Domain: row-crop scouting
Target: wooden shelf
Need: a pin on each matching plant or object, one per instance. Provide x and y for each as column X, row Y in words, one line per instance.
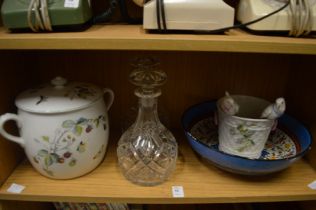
column 202, row 183
column 131, row 37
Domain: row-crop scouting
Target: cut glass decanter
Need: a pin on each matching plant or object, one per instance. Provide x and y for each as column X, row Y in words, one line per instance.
column 147, row 151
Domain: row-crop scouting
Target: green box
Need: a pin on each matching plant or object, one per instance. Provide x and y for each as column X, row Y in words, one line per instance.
column 14, row 14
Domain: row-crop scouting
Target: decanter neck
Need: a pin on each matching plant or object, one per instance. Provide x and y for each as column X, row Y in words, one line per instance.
column 147, row 110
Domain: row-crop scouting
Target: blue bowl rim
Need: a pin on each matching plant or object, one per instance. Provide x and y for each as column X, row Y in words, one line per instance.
column 300, row 154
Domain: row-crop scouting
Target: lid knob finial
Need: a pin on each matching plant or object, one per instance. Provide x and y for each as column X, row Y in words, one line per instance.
column 59, row 82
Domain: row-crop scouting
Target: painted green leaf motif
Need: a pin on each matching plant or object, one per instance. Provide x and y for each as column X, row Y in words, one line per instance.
column 35, row 159
column 81, row 96
column 42, row 153
column 82, row 121
column 48, row 172
column 45, row 138
column 247, row 135
column 55, row 157
column 72, row 162
column 97, row 122
column 68, row 124
column 78, row 130
column 48, row 160
column 81, row 147
column 37, row 141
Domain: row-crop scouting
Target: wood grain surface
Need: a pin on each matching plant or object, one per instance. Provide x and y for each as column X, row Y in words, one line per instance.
column 133, row 37
column 202, row 183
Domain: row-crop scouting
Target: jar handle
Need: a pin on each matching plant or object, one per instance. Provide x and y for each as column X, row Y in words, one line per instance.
column 110, row 99
column 7, row 117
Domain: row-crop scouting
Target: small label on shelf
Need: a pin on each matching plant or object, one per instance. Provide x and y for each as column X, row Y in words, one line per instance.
column 177, row 192
column 15, row 188
column 312, row 185
column 71, row 4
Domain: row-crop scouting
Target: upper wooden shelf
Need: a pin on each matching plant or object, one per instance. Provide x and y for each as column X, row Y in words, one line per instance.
column 133, row 37
column 202, row 183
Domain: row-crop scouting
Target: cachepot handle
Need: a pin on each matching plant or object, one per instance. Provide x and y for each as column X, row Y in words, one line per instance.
column 3, row 119
column 110, row 98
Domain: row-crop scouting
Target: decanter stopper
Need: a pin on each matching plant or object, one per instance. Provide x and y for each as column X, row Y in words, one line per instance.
column 147, row 76
column 147, row 151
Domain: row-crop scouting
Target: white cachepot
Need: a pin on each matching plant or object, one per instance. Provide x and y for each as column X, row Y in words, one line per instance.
column 63, row 126
column 244, row 134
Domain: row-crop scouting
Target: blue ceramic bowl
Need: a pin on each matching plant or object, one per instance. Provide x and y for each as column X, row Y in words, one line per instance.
column 299, row 137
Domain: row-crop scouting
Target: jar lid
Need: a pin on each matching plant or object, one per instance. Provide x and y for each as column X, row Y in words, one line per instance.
column 58, row 96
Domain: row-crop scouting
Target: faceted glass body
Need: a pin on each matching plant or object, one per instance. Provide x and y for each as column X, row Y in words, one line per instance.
column 147, row 151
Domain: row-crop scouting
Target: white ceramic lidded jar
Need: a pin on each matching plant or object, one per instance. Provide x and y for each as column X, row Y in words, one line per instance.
column 64, row 127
